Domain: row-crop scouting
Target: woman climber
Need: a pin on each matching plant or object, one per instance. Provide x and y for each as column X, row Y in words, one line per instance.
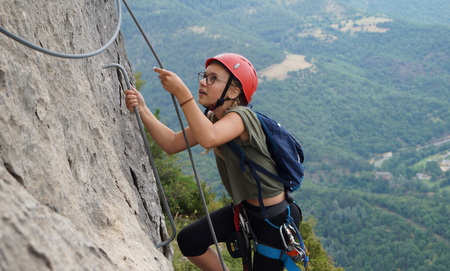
column 225, row 88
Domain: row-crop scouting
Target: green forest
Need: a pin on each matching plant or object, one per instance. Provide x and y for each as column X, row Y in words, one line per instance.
column 371, row 111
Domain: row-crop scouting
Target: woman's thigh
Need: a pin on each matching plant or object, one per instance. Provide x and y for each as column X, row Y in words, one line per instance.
column 195, row 239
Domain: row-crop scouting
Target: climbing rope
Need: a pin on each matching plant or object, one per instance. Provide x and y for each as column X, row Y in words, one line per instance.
column 188, row 147
column 149, row 154
column 63, row 55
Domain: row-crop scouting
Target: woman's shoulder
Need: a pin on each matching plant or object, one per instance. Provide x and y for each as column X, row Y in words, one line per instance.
column 242, row 109
column 249, row 117
column 246, row 113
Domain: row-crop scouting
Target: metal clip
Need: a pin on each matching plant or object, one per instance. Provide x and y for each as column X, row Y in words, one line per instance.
column 293, row 249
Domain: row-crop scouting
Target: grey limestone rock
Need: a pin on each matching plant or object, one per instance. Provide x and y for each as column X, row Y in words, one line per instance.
column 77, row 191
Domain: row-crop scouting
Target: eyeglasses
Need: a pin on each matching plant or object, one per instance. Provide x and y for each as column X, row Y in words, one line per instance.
column 210, row 78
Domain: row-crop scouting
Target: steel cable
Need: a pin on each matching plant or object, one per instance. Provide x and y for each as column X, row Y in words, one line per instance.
column 150, row 156
column 64, row 55
column 188, row 147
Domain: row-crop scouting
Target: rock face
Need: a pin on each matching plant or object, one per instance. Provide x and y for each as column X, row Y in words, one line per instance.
column 77, row 191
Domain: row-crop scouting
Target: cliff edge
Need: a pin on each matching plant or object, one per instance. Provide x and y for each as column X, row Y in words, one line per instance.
column 77, row 191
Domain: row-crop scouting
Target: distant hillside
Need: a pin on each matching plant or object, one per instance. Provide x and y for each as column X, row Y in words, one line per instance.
column 362, row 73
column 351, row 81
column 430, row 11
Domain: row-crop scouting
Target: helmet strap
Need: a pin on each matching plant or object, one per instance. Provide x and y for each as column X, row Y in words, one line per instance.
column 222, row 98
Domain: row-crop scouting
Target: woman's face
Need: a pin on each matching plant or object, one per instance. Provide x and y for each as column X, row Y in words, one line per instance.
column 209, row 93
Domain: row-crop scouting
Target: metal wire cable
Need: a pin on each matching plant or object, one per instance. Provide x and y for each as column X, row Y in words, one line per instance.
column 64, row 55
column 185, row 138
column 150, row 156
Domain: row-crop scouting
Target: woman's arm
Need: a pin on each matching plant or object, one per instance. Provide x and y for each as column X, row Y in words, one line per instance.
column 209, row 134
column 167, row 139
column 206, row 133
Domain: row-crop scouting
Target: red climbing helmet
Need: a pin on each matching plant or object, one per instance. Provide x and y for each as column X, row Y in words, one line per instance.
column 242, row 69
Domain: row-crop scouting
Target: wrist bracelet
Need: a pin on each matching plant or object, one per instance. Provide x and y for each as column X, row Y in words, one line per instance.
column 185, row 102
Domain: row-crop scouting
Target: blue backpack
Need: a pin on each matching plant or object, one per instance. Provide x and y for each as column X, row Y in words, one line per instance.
column 288, row 157
column 284, row 150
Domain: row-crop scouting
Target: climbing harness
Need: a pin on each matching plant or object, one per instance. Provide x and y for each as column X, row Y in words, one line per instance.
column 239, row 245
column 238, row 242
column 294, row 247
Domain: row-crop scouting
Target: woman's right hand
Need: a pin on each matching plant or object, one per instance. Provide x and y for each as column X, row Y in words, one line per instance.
column 133, row 98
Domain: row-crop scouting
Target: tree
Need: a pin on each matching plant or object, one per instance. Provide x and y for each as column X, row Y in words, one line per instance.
column 319, row 259
column 432, row 168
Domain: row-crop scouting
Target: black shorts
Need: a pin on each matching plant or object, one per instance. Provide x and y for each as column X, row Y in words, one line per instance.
column 196, row 238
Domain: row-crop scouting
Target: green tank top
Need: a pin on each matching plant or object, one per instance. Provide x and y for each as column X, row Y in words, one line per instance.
column 241, row 185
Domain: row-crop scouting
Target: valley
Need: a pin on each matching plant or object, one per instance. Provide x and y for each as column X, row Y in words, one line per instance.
column 280, row 71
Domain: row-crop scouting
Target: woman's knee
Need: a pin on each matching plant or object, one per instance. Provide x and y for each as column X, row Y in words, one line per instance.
column 186, row 241
column 183, row 236
column 195, row 239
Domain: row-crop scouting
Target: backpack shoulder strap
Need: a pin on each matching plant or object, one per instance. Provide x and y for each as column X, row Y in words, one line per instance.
column 244, row 161
column 239, row 152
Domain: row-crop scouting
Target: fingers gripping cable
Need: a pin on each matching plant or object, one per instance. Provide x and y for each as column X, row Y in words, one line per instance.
column 150, row 157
